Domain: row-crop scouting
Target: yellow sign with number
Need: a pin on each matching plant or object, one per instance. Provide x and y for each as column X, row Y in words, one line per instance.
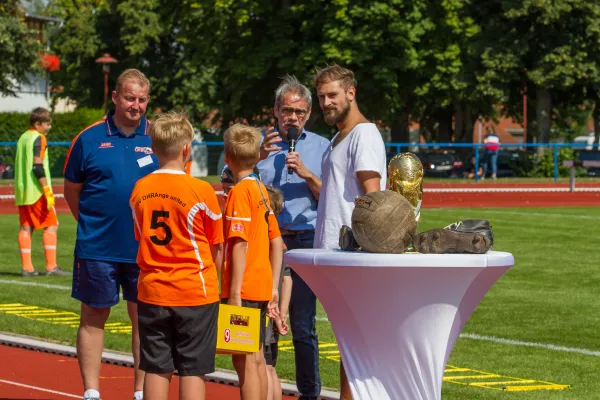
column 238, row 330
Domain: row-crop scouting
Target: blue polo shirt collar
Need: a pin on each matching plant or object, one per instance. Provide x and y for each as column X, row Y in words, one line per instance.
column 112, row 129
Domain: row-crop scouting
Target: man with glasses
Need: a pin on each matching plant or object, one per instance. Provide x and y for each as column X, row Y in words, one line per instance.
column 300, row 190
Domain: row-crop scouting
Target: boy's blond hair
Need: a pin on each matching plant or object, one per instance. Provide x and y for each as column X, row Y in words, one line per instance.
column 275, row 198
column 335, row 73
column 132, row 74
column 169, row 133
column 39, row 115
column 242, row 145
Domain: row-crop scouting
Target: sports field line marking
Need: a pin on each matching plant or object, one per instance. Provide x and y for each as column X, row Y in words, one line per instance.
column 37, row 284
column 545, row 346
column 577, row 216
column 510, row 190
column 39, row 388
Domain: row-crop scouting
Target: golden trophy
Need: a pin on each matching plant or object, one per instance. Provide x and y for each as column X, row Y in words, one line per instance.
column 405, row 172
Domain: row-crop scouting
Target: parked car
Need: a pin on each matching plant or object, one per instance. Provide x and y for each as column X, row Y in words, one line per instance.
column 442, row 164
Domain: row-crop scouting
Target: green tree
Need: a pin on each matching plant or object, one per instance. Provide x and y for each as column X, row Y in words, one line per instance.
column 144, row 34
column 546, row 44
column 18, row 48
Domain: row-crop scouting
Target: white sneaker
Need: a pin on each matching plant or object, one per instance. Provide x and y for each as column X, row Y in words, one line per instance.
column 91, row 394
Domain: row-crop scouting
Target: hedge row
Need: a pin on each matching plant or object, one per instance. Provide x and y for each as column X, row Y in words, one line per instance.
column 65, row 126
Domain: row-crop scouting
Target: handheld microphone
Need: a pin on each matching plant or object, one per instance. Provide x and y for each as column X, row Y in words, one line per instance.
column 292, row 136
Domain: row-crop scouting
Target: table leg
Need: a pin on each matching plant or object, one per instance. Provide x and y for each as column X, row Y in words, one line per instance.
column 395, row 327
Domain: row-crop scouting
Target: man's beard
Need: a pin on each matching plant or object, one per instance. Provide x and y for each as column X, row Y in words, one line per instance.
column 336, row 117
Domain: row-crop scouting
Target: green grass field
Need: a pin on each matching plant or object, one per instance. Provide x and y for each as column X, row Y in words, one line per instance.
column 550, row 297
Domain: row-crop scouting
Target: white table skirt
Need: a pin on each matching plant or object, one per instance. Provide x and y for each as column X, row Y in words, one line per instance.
column 396, row 317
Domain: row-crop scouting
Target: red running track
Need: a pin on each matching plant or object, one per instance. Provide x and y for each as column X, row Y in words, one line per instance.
column 39, row 375
column 454, row 198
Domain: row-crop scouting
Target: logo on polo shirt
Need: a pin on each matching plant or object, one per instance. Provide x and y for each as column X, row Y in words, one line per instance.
column 145, row 150
column 105, row 145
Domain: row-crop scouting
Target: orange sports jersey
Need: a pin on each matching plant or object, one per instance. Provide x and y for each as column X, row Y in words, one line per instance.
column 246, row 218
column 177, row 219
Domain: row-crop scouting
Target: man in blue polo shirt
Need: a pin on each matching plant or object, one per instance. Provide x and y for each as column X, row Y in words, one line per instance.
column 102, row 166
column 300, row 190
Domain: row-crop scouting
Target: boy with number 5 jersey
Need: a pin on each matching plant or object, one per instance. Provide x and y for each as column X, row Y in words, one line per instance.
column 179, row 227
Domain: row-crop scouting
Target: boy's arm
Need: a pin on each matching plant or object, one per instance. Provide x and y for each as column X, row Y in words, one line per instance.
column 285, row 296
column 276, row 259
column 238, row 267
column 39, row 150
column 217, row 254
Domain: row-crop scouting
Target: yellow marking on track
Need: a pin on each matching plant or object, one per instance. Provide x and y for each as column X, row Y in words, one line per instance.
column 45, row 316
column 457, row 375
column 482, row 376
column 495, row 383
column 63, row 319
column 324, row 345
column 56, row 317
column 552, row 386
column 480, row 379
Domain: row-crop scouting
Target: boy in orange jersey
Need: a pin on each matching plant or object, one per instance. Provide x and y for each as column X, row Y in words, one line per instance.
column 252, row 245
column 33, row 194
column 277, row 325
column 179, row 227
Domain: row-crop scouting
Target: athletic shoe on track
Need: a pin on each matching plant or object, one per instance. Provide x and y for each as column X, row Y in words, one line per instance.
column 27, row 273
column 57, row 272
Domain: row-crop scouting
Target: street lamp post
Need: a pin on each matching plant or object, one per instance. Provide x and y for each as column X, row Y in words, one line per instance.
column 106, row 60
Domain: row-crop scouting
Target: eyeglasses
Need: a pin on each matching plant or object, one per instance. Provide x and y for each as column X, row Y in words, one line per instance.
column 288, row 111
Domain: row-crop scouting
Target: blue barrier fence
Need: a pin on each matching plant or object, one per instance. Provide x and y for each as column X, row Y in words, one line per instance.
column 399, row 147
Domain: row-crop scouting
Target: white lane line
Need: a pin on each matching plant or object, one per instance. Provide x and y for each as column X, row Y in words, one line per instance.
column 37, row 284
column 42, row 285
column 39, row 388
column 531, row 344
column 509, row 190
column 487, row 211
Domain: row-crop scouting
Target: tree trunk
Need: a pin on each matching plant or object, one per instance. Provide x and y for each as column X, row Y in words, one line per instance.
column 445, row 126
column 596, row 116
column 399, row 128
column 463, row 123
column 543, row 114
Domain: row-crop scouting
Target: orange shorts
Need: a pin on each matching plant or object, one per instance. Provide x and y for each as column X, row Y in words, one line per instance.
column 37, row 215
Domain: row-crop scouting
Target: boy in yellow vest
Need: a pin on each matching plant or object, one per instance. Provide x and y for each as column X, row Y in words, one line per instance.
column 33, row 193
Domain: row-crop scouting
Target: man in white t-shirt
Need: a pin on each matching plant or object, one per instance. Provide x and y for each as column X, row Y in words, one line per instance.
column 354, row 163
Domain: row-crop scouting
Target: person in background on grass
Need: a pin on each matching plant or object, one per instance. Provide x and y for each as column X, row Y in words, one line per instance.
column 354, row 163
column 180, row 252
column 102, row 166
column 492, row 147
column 33, row 194
column 278, row 325
column 301, row 189
column 253, row 245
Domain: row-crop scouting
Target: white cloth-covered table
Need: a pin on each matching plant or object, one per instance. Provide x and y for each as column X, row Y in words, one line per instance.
column 396, row 317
